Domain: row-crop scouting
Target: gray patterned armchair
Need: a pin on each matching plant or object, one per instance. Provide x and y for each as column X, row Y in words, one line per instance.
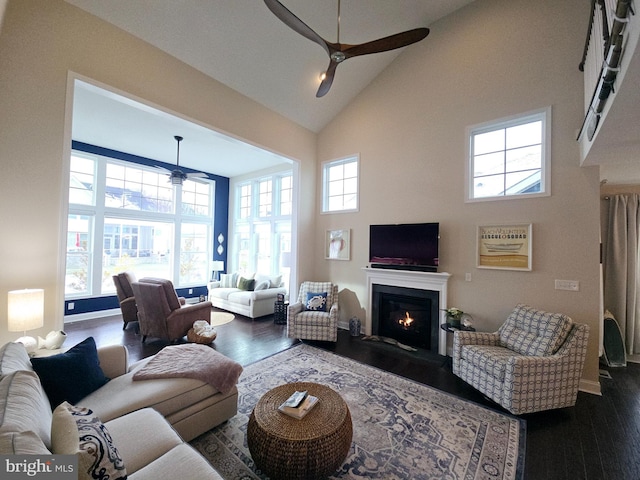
column 533, row 362
column 315, row 315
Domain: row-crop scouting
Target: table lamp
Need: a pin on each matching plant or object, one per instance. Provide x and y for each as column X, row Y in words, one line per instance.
column 216, row 267
column 26, row 312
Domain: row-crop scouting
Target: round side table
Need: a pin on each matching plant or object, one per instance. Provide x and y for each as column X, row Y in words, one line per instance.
column 447, row 327
column 312, row 447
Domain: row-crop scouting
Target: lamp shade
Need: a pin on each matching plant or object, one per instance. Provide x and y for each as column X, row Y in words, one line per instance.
column 217, row 265
column 25, row 309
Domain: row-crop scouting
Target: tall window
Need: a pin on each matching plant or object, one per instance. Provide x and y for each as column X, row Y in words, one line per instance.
column 340, row 185
column 286, row 195
column 125, row 216
column 262, row 235
column 244, row 200
column 265, row 197
column 510, row 157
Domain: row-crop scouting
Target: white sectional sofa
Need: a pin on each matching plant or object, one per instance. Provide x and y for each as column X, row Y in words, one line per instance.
column 147, row 422
column 252, row 296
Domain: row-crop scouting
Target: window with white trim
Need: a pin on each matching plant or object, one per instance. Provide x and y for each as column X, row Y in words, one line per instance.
column 126, row 216
column 262, row 225
column 510, row 158
column 340, row 185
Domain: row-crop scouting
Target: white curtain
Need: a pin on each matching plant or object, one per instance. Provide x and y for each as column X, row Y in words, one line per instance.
column 621, row 266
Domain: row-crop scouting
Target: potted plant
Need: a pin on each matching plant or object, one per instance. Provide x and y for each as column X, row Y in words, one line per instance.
column 454, row 315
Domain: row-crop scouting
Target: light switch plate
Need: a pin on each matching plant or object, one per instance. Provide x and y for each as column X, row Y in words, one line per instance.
column 571, row 285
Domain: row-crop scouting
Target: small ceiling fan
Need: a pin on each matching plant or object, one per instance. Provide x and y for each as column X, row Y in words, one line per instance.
column 339, row 52
column 177, row 176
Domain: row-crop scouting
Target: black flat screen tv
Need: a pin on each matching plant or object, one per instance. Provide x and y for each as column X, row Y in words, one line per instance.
column 408, row 246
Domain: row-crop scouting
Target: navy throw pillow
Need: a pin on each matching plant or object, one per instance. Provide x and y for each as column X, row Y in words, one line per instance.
column 72, row 375
column 316, row 302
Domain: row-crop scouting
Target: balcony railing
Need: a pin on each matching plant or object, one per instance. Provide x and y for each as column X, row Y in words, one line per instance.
column 603, row 51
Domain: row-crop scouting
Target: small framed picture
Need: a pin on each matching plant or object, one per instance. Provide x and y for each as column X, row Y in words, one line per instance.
column 504, row 247
column 337, row 244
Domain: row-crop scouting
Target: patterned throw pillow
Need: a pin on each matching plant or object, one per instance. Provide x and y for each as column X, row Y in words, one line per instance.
column 227, row 280
column 316, row 302
column 77, row 431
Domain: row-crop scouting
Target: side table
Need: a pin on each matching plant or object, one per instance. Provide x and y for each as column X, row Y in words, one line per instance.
column 280, row 312
column 312, row 447
column 449, row 328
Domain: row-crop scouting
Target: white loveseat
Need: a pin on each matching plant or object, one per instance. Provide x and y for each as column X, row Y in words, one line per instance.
column 252, row 295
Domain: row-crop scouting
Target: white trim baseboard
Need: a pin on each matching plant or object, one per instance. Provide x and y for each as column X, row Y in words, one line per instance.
column 91, row 315
column 589, row 386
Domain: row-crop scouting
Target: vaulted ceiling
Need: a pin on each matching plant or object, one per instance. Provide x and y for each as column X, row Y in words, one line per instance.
column 243, row 45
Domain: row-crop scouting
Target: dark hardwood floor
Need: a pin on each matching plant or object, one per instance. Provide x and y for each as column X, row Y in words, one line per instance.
column 599, row 438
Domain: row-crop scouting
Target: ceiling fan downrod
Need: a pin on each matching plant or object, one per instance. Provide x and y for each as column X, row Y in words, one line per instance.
column 178, row 139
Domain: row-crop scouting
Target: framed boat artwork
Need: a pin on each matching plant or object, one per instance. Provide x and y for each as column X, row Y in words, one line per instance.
column 504, row 247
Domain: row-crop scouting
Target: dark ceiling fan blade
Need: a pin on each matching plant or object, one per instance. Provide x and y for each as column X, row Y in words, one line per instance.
column 293, row 22
column 325, row 85
column 392, row 42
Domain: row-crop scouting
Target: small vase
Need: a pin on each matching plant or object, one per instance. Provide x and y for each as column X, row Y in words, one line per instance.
column 453, row 321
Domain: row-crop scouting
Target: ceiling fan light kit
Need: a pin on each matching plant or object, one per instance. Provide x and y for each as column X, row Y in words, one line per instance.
column 339, row 52
column 177, row 176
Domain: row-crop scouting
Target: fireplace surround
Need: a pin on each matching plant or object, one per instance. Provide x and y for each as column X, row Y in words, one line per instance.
column 423, row 295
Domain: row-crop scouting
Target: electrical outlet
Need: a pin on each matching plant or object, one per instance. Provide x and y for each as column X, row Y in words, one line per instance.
column 571, row 285
column 190, row 291
column 467, row 277
column 71, row 306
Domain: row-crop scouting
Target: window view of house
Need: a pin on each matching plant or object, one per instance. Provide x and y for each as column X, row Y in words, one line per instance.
column 124, row 216
column 509, row 158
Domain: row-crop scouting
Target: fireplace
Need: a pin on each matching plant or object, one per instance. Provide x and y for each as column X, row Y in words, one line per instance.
column 409, row 315
column 422, row 294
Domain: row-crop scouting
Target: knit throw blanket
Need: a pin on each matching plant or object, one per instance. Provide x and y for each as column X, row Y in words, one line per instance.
column 192, row 361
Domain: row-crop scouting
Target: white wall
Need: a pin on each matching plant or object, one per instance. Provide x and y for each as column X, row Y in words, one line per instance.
column 41, row 41
column 493, row 59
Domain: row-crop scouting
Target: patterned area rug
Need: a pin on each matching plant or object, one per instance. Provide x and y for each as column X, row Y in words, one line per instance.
column 401, row 429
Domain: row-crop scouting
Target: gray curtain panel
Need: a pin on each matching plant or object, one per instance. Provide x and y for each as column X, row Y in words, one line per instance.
column 620, row 265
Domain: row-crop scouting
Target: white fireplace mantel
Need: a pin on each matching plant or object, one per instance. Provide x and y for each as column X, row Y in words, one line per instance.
column 436, row 282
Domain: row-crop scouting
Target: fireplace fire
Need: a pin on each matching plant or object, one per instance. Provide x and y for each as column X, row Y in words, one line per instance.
column 406, row 321
column 407, row 315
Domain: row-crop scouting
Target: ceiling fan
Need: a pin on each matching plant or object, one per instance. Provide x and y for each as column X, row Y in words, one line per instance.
column 177, row 176
column 339, row 52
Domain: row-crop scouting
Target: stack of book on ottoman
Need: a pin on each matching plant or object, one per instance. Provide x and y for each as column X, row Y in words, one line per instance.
column 298, row 404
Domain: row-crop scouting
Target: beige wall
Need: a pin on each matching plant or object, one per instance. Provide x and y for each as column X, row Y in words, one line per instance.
column 41, row 41
column 493, row 59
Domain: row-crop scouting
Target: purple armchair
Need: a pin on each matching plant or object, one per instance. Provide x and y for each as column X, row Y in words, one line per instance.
column 161, row 314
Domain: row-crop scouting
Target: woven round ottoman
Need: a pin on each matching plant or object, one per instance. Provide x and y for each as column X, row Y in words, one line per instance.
column 312, row 447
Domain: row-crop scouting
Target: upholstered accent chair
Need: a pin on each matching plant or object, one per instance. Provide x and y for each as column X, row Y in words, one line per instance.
column 127, row 301
column 162, row 314
column 533, row 362
column 315, row 315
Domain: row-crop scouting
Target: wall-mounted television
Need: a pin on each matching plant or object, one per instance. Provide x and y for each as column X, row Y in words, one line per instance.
column 407, row 246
